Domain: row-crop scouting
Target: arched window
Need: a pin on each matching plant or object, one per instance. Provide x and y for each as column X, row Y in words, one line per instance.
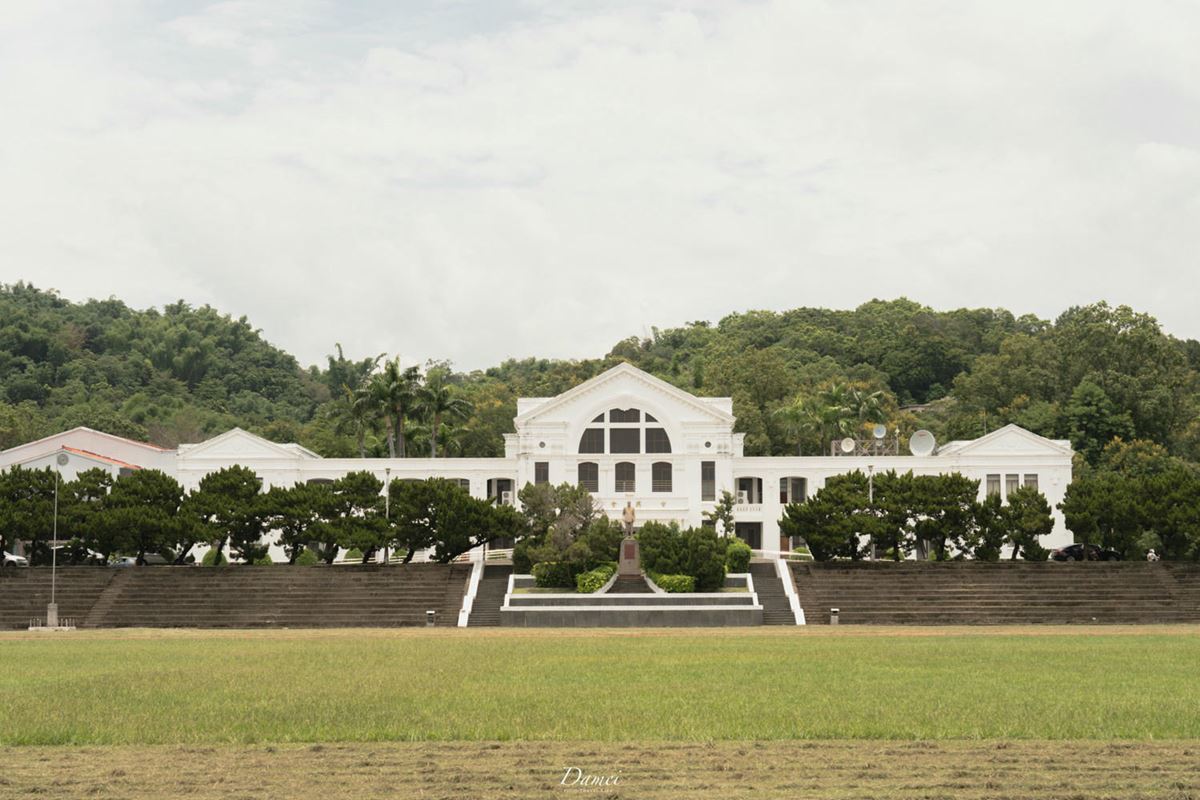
column 660, row 476
column 589, row 476
column 624, row 431
column 626, row 477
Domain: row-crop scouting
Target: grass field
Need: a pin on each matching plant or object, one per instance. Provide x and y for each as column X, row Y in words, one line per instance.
column 192, row 687
column 894, row 714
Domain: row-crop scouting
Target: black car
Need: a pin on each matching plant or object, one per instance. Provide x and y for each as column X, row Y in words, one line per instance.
column 1074, row 552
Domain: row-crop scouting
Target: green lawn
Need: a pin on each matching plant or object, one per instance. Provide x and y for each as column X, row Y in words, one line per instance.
column 310, row 686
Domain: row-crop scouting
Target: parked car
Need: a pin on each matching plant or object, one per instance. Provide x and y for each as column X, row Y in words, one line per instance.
column 14, row 560
column 152, row 560
column 1074, row 552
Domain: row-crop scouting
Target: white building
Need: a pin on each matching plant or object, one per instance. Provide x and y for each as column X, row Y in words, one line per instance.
column 625, row 435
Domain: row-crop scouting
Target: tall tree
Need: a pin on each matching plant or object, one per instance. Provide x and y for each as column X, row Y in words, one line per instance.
column 27, row 510
column 144, row 507
column 436, row 400
column 393, row 391
column 226, row 507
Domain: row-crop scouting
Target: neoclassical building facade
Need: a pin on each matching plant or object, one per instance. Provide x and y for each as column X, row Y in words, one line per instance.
column 625, row 435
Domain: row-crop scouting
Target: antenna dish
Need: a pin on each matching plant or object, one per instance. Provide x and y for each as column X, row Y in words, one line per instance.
column 848, row 445
column 62, row 459
column 922, row 443
column 880, row 431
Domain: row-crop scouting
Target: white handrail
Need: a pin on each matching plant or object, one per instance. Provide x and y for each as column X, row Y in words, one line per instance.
column 464, row 613
column 785, row 575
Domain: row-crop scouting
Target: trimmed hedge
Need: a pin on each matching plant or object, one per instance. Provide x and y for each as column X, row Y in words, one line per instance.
column 592, row 581
column 307, row 559
column 210, row 558
column 737, row 556
column 551, row 574
column 674, row 583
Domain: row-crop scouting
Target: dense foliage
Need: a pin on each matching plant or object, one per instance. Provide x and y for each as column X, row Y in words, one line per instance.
column 1098, row 375
column 932, row 516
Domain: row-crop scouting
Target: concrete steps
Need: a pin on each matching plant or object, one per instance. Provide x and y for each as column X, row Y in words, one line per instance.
column 771, row 595
column 978, row 593
column 25, row 592
column 630, row 584
column 252, row 597
column 485, row 611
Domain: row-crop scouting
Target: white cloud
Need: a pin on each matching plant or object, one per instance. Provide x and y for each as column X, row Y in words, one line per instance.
column 480, row 180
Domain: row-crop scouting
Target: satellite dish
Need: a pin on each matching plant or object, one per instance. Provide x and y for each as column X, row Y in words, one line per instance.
column 62, row 459
column 880, row 431
column 922, row 443
column 848, row 445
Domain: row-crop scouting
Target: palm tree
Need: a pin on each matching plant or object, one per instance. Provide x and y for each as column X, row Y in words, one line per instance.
column 436, row 401
column 392, row 393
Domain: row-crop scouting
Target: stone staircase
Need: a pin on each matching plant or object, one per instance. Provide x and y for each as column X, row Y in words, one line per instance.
column 485, row 611
column 630, row 584
column 1009, row 592
column 771, row 595
column 24, row 593
column 277, row 596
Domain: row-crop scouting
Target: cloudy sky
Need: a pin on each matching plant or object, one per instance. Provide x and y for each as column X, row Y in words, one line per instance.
column 505, row 178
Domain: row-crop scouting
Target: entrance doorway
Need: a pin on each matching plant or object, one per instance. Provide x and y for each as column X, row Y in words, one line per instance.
column 750, row 533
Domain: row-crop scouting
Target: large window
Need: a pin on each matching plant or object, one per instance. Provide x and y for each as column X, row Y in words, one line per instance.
column 660, row 476
column 541, row 472
column 625, row 440
column 620, row 431
column 993, row 484
column 592, row 441
column 657, row 441
column 589, row 476
column 1031, row 481
column 792, row 490
column 1011, row 484
column 708, row 480
column 626, row 477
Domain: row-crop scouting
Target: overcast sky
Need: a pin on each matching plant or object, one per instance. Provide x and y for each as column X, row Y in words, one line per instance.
column 493, row 179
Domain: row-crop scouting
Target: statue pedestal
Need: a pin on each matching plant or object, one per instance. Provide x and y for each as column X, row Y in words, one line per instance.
column 630, row 562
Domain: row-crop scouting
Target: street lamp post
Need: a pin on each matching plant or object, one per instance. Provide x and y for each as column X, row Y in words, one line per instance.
column 52, row 608
column 387, row 506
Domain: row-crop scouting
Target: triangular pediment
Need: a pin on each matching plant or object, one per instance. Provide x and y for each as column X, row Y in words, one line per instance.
column 238, row 444
column 626, row 381
column 1010, row 440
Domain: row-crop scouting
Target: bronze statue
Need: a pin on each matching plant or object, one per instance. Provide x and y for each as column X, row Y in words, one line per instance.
column 628, row 516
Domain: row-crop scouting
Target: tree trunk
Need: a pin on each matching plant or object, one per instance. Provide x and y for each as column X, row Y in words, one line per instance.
column 437, row 423
column 409, row 555
column 369, row 554
column 390, row 435
column 362, row 443
column 331, row 554
column 401, row 445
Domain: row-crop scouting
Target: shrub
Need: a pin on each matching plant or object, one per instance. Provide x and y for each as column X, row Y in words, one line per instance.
column 353, row 554
column 737, row 556
column 210, row 558
column 520, row 557
column 263, row 561
column 594, row 580
column 674, row 583
column 307, row 558
column 554, row 574
column 697, row 552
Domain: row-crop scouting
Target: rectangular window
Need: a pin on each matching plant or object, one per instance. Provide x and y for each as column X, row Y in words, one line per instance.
column 1011, row 484
column 626, row 477
column 589, row 476
column 464, row 484
column 657, row 441
column 708, row 480
column 541, row 472
column 660, row 476
column 792, row 490
column 1031, row 481
column 993, row 484
column 625, row 440
column 592, row 441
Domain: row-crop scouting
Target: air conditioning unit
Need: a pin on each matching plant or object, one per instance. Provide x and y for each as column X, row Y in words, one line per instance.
column 506, row 498
column 743, row 498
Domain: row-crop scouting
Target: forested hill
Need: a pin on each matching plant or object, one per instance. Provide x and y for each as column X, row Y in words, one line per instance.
column 798, row 378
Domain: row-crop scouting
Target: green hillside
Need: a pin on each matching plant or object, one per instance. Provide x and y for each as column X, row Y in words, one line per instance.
column 798, row 378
